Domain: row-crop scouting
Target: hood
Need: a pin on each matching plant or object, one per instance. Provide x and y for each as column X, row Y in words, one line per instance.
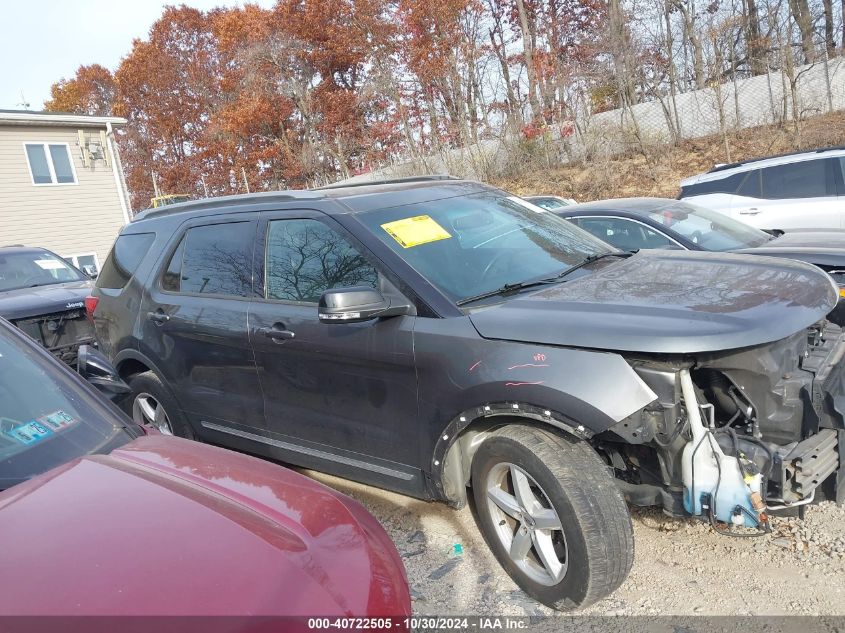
column 668, row 302
column 824, row 247
column 30, row 302
column 164, row 526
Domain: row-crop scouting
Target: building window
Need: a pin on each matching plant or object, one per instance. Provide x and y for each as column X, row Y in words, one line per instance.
column 87, row 263
column 50, row 163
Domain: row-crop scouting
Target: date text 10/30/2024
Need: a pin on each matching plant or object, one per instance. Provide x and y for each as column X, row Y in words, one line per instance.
column 420, row 623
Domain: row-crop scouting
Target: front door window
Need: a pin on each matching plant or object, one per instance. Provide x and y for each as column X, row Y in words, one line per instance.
column 305, row 258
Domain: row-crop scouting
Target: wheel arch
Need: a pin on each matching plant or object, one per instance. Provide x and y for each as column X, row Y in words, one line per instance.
column 131, row 362
column 458, row 442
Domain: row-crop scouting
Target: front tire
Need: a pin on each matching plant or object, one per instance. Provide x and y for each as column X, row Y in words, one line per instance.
column 552, row 515
column 151, row 403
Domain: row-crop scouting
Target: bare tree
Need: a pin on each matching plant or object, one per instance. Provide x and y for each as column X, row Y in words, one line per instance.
column 800, row 10
column 525, row 26
column 830, row 42
column 692, row 37
column 754, row 42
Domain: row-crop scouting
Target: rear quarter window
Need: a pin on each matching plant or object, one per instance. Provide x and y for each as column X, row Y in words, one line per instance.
column 721, row 185
column 126, row 255
column 804, row 179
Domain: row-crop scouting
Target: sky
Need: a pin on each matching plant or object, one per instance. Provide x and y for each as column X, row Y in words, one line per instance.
column 42, row 41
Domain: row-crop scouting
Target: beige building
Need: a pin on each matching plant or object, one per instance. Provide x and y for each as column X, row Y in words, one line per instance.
column 61, row 184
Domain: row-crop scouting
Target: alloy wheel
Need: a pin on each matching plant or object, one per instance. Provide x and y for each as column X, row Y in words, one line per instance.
column 147, row 410
column 527, row 524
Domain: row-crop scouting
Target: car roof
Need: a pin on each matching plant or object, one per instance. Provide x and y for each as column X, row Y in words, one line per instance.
column 352, row 198
column 719, row 172
column 632, row 206
column 19, row 248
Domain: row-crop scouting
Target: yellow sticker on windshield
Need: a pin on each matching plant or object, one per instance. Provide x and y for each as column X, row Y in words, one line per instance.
column 420, row 229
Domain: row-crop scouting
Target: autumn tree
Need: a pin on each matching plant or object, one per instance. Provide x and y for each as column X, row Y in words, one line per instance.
column 168, row 87
column 338, row 38
column 440, row 49
column 90, row 91
column 553, row 45
column 298, row 104
column 309, row 91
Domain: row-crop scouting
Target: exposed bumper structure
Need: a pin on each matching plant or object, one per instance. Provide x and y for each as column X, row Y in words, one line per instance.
column 816, row 459
column 61, row 333
column 808, row 464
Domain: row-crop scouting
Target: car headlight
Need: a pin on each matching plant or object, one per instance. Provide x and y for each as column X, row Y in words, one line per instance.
column 838, row 277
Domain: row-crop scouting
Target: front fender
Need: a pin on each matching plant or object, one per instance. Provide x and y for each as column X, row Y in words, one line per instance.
column 596, row 389
column 460, row 372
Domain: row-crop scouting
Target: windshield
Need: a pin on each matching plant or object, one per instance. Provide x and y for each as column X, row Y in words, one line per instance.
column 711, row 230
column 45, row 418
column 27, row 269
column 478, row 243
column 548, row 203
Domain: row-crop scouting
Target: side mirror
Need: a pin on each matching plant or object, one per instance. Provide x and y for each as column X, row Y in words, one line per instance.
column 91, row 271
column 98, row 371
column 356, row 304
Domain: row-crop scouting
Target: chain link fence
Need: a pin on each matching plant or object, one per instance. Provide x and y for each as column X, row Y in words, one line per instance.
column 786, row 96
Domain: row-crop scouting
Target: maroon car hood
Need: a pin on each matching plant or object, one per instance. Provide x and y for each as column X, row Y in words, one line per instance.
column 164, row 526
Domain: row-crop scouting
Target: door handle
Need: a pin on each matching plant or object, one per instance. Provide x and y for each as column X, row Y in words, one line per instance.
column 751, row 211
column 158, row 317
column 277, row 332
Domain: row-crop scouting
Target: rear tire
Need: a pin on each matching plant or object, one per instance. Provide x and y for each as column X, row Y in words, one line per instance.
column 152, row 403
column 552, row 515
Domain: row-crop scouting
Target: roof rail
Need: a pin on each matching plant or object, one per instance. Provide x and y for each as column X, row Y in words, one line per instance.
column 216, row 202
column 389, row 181
column 724, row 166
column 14, row 246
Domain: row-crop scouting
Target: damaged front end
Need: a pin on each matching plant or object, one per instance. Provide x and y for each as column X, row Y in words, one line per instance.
column 62, row 333
column 735, row 434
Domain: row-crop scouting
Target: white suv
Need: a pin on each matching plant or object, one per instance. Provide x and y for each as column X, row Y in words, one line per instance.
column 800, row 190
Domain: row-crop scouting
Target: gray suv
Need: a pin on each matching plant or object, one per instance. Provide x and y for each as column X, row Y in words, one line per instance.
column 447, row 340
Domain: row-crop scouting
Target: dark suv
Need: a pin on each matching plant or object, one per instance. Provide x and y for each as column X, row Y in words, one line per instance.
column 44, row 296
column 439, row 336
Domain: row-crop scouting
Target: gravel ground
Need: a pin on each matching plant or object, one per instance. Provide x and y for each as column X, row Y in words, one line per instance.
column 681, row 567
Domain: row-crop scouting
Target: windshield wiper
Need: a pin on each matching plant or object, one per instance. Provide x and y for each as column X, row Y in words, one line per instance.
column 501, row 291
column 589, row 260
column 522, row 285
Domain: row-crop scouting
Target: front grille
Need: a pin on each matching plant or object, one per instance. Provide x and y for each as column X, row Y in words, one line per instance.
column 62, row 332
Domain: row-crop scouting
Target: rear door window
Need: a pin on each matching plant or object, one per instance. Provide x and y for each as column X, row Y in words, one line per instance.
column 750, row 187
column 840, row 174
column 125, row 257
column 804, row 179
column 213, row 259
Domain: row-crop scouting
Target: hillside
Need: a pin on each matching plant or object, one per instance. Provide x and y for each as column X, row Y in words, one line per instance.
column 658, row 171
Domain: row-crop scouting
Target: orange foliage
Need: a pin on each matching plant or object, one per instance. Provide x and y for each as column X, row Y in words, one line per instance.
column 91, row 91
column 310, row 91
